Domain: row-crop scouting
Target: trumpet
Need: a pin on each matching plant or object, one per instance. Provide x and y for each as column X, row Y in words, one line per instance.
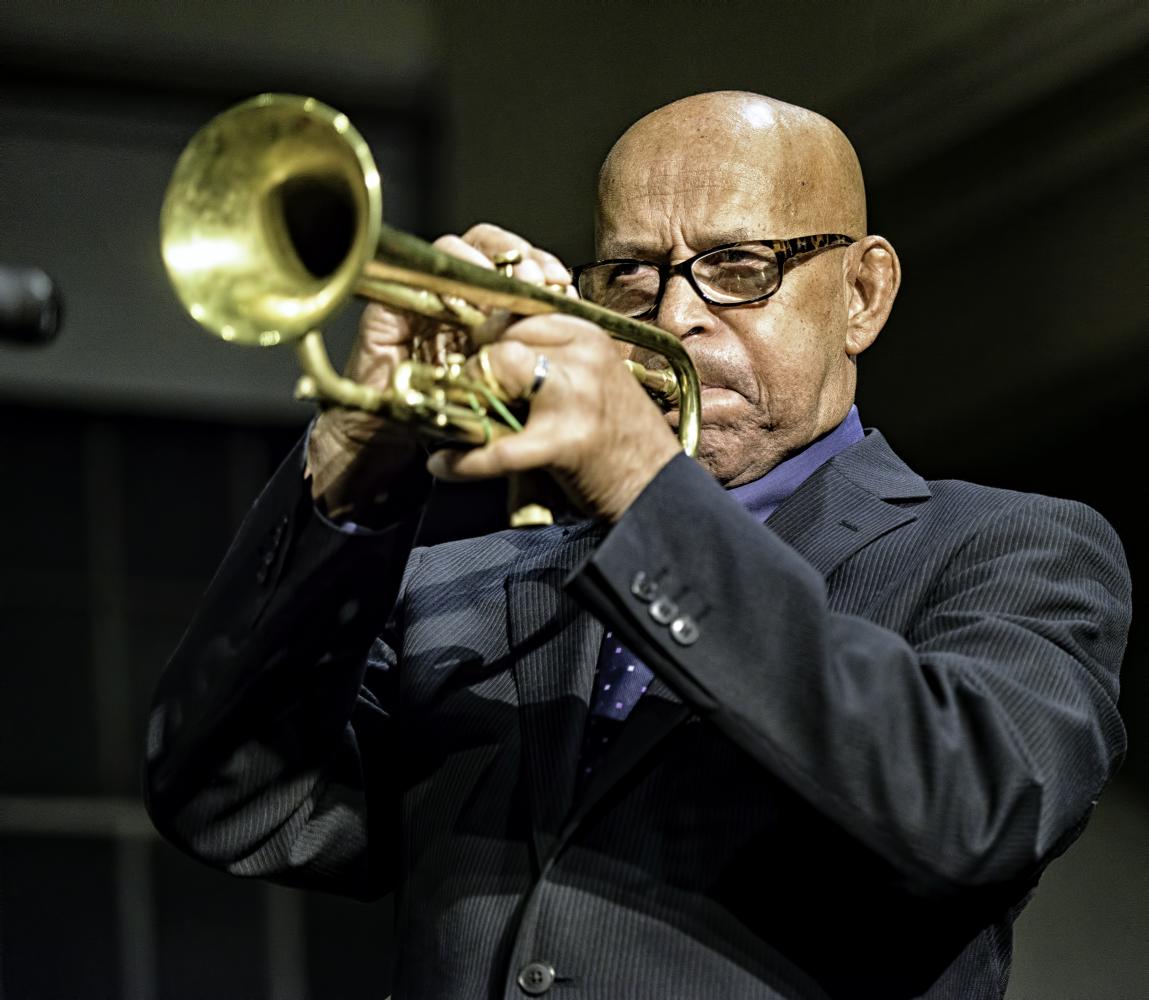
column 273, row 220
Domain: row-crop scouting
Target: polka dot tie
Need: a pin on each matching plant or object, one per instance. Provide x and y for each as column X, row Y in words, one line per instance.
column 620, row 679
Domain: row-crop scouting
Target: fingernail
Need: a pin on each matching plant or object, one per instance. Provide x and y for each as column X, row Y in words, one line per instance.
column 529, row 271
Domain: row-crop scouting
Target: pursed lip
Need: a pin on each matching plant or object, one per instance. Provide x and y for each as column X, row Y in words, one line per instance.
column 710, row 397
column 713, row 373
column 702, row 366
column 707, row 386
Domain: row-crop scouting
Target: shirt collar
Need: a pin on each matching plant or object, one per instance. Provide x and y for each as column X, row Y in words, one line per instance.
column 763, row 496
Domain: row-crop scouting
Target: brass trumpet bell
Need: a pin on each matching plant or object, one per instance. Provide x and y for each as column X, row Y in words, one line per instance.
column 268, row 223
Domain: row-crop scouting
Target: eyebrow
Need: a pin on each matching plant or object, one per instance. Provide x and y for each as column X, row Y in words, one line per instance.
column 641, row 251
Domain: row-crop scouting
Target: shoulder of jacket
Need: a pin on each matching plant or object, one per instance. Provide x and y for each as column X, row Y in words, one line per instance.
column 502, row 551
column 985, row 500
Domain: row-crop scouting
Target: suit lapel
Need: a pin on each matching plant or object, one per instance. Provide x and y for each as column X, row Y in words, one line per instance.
column 847, row 504
column 554, row 644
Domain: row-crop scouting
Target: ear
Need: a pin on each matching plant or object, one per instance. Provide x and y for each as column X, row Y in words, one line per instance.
column 873, row 280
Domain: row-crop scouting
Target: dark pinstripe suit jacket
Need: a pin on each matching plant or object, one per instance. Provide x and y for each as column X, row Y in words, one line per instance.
column 899, row 708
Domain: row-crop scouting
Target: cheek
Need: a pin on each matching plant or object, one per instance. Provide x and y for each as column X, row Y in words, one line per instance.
column 778, row 353
column 793, row 353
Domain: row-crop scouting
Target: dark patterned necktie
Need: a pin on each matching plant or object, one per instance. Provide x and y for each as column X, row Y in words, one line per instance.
column 620, row 679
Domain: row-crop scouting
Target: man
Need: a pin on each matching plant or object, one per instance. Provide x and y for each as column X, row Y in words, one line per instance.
column 665, row 750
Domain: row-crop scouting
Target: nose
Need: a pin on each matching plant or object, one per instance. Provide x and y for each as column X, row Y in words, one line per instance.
column 681, row 311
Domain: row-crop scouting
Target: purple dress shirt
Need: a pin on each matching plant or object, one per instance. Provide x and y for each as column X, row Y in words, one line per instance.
column 764, row 496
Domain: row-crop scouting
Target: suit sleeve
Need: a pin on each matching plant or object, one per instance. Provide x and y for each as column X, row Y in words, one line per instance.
column 269, row 741
column 969, row 748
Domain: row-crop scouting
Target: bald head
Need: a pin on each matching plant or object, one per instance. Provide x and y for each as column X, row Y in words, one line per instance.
column 803, row 167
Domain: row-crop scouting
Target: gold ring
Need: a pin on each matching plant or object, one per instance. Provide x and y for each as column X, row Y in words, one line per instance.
column 506, row 260
column 488, row 374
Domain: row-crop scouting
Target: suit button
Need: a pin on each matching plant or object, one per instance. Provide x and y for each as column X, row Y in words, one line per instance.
column 643, row 587
column 684, row 630
column 663, row 610
column 536, row 978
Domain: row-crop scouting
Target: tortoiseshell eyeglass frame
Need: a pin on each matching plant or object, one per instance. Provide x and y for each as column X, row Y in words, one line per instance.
column 783, row 251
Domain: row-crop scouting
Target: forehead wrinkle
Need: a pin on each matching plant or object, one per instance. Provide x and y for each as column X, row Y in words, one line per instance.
column 671, row 179
column 693, row 211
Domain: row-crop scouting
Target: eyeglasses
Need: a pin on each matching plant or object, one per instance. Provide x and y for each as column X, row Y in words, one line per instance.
column 734, row 274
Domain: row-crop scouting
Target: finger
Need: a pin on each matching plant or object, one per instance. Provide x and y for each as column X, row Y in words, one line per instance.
column 551, row 330
column 537, row 265
column 514, row 360
column 493, row 240
column 541, row 268
column 444, row 341
column 464, row 250
column 529, row 271
column 512, row 453
column 512, row 365
column 493, row 327
column 553, row 268
column 441, row 465
column 380, row 325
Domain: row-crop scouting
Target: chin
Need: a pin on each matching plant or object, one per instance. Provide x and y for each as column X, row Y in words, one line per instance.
column 735, row 462
column 718, row 461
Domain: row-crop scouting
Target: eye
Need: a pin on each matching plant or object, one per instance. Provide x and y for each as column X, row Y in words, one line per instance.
column 624, row 286
column 737, row 274
column 625, row 272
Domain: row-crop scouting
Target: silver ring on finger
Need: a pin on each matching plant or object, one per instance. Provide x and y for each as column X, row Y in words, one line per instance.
column 542, row 366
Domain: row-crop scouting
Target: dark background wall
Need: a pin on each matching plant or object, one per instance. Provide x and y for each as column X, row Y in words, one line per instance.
column 1004, row 150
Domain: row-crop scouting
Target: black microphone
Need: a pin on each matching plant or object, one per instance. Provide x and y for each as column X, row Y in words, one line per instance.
column 29, row 306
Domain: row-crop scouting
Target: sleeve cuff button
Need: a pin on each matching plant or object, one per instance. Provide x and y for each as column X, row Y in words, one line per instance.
column 684, row 630
column 643, row 586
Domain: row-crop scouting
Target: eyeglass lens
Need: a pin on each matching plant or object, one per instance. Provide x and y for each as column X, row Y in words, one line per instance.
column 738, row 274
column 726, row 277
column 629, row 289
